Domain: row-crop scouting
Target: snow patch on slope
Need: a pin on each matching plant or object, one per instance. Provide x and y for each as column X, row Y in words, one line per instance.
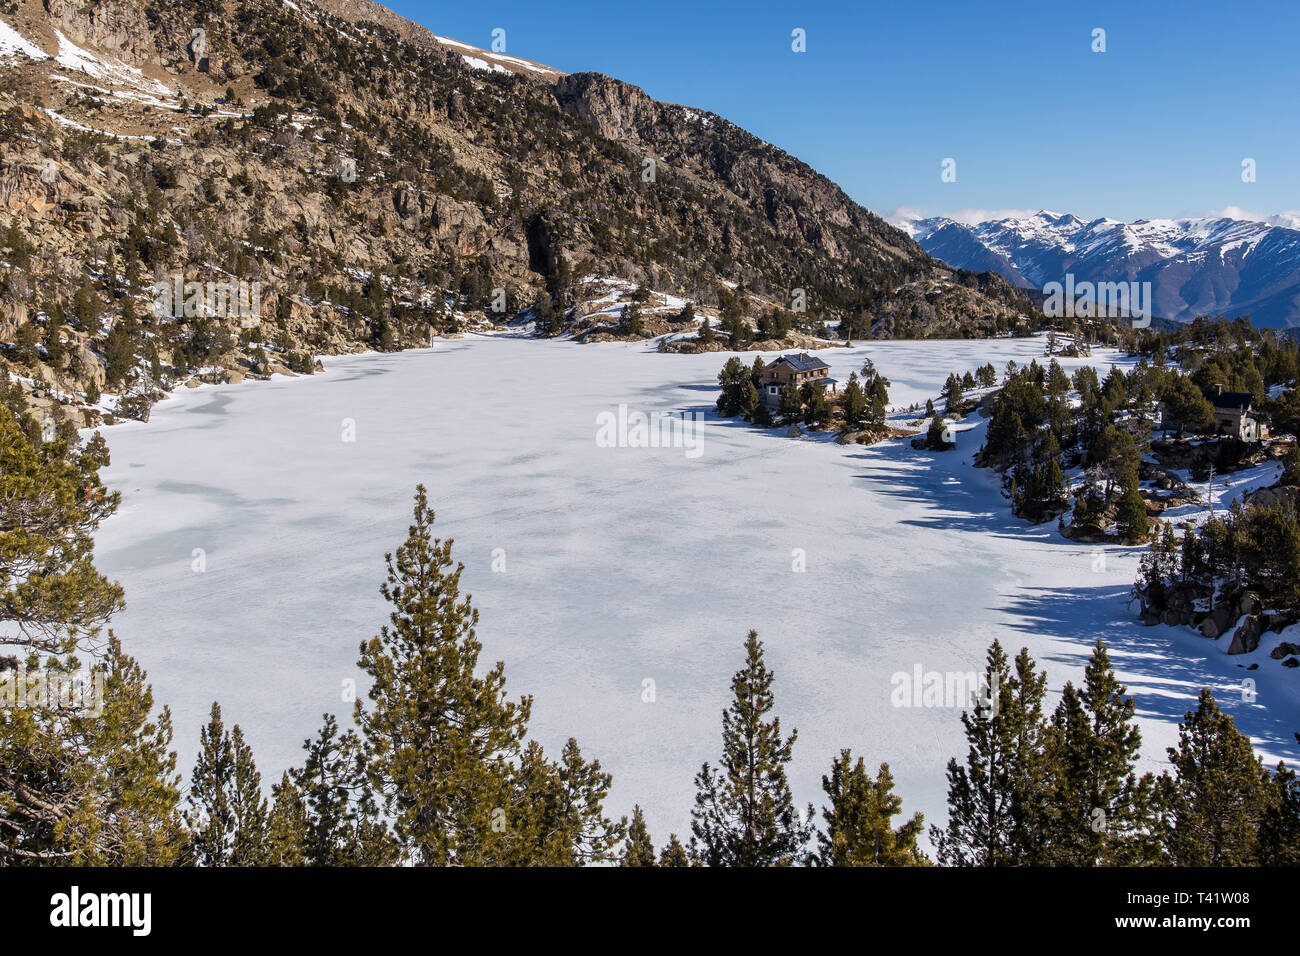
column 113, row 72
column 478, row 58
column 483, row 64
column 13, row 43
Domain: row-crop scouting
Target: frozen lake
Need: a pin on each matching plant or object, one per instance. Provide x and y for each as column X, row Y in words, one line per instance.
column 622, row 565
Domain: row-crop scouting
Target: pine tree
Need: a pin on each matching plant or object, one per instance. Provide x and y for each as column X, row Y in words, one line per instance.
column 631, row 322
column 556, row 817
column 134, row 781
column 995, row 801
column 51, row 503
column 438, row 738
column 86, row 788
column 1027, row 733
column 340, row 816
column 954, row 398
column 1098, row 811
column 859, row 828
column 876, row 389
column 119, row 352
column 744, row 813
column 226, row 812
column 733, row 378
column 638, row 850
column 706, row 336
column 1058, row 383
column 674, row 854
column 1291, row 465
column 854, row 403
column 286, row 826
column 1131, row 516
column 446, row 752
column 1185, row 408
column 1216, row 800
column 209, row 816
column 1279, row 829
column 817, row 408
column 934, row 435
column 791, row 405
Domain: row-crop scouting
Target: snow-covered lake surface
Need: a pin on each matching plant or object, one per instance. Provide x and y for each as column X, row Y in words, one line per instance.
column 622, row 565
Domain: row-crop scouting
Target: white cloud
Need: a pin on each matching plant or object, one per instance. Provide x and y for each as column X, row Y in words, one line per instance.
column 1290, row 218
column 904, row 216
column 972, row 216
column 1236, row 212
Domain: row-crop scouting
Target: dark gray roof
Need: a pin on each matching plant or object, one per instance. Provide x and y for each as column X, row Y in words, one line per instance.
column 1235, row 400
column 803, row 362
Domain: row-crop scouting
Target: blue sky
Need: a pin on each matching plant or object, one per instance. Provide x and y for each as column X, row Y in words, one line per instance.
column 1158, row 125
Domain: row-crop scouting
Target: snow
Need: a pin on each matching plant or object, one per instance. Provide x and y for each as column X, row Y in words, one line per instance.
column 483, row 64
column 622, row 564
column 517, row 61
column 1040, row 246
column 112, row 71
column 12, row 43
column 1234, row 486
column 450, row 42
column 73, row 124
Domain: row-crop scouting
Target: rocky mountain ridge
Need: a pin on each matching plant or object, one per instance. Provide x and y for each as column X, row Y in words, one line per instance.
column 1200, row 266
column 380, row 184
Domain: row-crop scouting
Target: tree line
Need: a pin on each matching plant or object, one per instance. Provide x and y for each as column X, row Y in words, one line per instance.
column 1247, row 548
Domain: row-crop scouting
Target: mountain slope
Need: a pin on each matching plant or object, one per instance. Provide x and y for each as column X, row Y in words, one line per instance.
column 381, row 183
column 1196, row 266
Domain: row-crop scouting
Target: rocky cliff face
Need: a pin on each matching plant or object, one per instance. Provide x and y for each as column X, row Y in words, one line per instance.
column 118, row 28
column 382, row 184
column 792, row 199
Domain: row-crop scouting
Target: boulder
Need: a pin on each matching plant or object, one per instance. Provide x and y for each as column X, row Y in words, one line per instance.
column 1291, row 662
column 1249, row 603
column 1246, row 637
column 1218, row 621
column 1283, row 650
column 1280, row 621
column 1276, row 495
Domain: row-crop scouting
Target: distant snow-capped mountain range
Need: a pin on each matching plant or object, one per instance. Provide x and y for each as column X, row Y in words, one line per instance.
column 1195, row 266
